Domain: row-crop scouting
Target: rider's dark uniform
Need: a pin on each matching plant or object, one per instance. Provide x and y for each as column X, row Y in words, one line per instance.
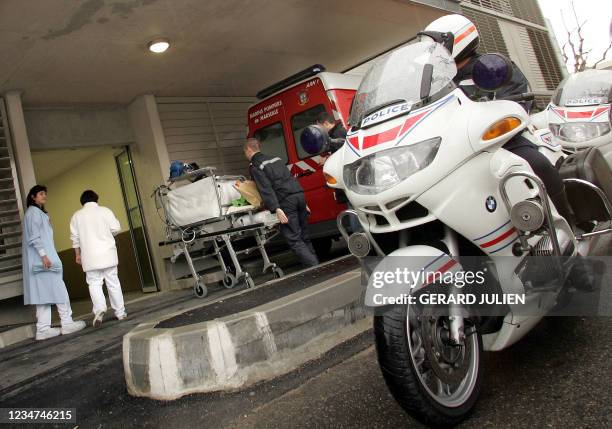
column 278, row 188
column 521, row 146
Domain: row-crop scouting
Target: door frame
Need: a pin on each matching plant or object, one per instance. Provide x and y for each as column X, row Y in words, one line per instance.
column 155, row 287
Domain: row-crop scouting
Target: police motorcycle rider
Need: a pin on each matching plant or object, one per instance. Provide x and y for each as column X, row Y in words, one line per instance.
column 460, row 36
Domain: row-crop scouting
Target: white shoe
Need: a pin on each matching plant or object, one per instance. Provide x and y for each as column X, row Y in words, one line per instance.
column 122, row 317
column 98, row 319
column 47, row 333
column 73, row 327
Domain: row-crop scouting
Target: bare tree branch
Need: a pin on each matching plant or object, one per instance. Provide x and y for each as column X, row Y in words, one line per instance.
column 573, row 49
column 605, row 54
column 581, row 58
column 570, row 42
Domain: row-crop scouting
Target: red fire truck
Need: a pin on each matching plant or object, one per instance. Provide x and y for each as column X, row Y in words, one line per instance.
column 285, row 109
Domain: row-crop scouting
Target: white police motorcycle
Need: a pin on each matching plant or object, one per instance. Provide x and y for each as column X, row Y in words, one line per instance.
column 579, row 114
column 424, row 168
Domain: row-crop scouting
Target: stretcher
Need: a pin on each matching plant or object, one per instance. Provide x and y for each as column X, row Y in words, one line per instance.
column 200, row 218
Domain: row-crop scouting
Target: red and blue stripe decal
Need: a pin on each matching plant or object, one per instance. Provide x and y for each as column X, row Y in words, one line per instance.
column 398, row 132
column 498, row 239
column 446, row 264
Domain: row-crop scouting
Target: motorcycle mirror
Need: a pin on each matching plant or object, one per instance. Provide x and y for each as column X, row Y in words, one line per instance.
column 491, row 72
column 314, row 139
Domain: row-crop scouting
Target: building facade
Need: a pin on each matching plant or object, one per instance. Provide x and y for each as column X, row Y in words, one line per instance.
column 517, row 29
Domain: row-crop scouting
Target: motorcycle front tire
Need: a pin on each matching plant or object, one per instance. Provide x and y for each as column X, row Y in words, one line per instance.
column 400, row 374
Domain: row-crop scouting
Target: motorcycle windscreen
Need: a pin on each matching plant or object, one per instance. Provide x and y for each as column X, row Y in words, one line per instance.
column 412, row 76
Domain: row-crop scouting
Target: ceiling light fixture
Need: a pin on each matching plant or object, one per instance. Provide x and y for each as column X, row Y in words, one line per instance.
column 159, row 45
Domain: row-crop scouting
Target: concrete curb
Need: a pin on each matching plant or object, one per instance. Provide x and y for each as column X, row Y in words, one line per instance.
column 16, row 335
column 240, row 349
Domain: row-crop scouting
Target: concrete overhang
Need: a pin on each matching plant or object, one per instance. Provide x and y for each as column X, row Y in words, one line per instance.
column 95, row 51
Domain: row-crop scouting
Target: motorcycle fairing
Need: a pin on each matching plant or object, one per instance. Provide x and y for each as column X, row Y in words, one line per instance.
column 579, row 113
column 498, row 239
column 457, row 147
column 460, row 201
column 392, row 131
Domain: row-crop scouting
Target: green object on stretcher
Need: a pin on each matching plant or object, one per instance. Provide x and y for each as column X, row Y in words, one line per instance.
column 239, row 202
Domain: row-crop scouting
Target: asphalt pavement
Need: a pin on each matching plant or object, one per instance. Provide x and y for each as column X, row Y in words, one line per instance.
column 557, row 376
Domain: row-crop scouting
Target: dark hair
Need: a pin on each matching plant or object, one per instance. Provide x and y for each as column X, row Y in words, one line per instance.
column 32, row 194
column 89, row 196
column 325, row 117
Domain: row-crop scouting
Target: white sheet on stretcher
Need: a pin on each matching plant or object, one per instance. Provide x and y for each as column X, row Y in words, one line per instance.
column 197, row 202
column 266, row 217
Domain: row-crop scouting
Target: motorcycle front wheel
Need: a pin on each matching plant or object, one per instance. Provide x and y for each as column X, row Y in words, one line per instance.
column 434, row 381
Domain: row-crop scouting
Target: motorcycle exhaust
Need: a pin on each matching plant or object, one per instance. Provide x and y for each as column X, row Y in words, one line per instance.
column 528, row 215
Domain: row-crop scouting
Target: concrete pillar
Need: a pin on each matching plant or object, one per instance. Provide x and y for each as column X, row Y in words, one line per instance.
column 21, row 144
column 151, row 162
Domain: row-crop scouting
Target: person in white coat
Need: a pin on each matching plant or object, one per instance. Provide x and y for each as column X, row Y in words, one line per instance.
column 92, row 231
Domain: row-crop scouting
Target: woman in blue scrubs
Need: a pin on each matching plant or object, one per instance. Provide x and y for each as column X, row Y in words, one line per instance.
column 43, row 283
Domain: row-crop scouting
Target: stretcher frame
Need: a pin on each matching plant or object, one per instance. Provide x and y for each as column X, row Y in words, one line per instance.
column 221, row 232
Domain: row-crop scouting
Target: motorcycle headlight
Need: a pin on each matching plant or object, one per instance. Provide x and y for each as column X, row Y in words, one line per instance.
column 383, row 170
column 579, row 132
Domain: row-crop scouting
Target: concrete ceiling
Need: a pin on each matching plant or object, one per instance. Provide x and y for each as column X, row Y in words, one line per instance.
column 51, row 163
column 94, row 51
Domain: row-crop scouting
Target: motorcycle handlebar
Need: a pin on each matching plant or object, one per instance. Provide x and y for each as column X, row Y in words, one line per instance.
column 526, row 96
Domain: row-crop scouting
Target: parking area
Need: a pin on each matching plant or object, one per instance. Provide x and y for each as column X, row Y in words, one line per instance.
column 557, row 376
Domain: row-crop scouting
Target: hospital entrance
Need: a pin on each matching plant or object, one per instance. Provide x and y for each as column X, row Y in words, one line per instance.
column 109, row 172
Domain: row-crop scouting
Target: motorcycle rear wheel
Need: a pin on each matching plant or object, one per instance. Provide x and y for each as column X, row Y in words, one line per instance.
column 438, row 385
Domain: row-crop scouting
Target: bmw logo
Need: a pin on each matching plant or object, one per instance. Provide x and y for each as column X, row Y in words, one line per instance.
column 491, row 204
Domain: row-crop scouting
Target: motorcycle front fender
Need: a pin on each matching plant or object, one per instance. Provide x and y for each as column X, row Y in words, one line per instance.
column 404, row 272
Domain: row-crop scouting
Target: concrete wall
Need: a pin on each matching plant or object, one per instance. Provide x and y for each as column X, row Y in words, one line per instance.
column 77, row 126
column 207, row 130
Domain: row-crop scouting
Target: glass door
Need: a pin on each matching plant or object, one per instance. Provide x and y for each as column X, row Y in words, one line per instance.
column 136, row 219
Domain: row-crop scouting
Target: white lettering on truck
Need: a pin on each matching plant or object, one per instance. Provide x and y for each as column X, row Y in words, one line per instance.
column 265, row 112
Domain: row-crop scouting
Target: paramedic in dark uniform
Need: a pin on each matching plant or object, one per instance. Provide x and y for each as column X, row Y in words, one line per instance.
column 334, row 130
column 283, row 195
column 337, row 137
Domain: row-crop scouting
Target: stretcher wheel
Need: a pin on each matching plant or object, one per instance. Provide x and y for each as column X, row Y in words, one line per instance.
column 249, row 282
column 200, row 289
column 277, row 273
column 229, row 281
